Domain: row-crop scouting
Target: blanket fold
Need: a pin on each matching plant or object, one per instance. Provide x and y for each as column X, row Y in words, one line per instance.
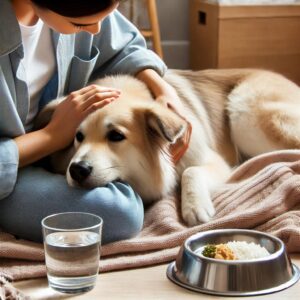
column 7, row 291
column 262, row 194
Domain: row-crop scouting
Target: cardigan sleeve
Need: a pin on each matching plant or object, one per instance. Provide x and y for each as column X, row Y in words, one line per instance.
column 123, row 49
column 9, row 160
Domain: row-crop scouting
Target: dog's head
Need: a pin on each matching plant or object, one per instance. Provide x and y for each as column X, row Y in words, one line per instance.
column 127, row 140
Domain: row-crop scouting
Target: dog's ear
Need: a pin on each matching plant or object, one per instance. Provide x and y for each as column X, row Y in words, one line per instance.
column 166, row 123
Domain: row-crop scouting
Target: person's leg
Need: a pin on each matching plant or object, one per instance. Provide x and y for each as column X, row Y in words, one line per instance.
column 39, row 193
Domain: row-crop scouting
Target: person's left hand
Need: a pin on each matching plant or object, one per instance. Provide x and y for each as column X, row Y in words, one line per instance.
column 170, row 98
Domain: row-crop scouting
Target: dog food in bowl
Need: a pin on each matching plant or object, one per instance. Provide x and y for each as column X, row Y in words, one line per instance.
column 251, row 263
column 234, row 250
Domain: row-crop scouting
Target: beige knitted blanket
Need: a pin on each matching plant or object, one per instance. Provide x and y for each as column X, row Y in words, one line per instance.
column 263, row 194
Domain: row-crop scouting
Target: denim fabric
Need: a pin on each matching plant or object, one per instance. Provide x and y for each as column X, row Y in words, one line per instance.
column 39, row 193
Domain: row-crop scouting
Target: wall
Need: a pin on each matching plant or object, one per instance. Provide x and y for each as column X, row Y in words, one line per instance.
column 173, row 19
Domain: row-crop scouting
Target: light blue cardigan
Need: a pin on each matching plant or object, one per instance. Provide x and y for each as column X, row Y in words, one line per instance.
column 118, row 48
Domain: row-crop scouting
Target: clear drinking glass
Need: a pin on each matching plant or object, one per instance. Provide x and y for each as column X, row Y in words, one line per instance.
column 72, row 242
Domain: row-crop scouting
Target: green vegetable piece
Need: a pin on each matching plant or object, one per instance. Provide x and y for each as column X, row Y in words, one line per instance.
column 209, row 251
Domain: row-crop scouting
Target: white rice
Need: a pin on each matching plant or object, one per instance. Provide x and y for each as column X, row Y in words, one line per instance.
column 244, row 250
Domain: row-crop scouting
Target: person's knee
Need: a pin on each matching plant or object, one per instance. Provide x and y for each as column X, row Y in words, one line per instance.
column 124, row 219
column 127, row 225
column 21, row 213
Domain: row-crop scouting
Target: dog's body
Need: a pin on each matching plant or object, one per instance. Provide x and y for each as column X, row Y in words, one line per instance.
column 234, row 114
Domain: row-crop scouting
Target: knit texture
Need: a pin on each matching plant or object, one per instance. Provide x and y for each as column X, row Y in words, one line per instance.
column 262, row 194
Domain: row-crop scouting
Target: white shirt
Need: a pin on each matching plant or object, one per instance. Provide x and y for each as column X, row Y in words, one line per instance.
column 39, row 63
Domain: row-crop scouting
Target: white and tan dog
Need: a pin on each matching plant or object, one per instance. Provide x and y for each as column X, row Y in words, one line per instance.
column 234, row 114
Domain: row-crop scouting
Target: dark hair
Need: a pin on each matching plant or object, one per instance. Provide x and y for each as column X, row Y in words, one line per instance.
column 75, row 8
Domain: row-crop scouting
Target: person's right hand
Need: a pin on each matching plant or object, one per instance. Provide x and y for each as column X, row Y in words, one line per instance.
column 75, row 108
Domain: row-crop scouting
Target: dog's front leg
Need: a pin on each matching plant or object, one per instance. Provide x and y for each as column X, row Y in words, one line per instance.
column 197, row 186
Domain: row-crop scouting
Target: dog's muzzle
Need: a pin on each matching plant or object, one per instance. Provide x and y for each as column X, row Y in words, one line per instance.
column 79, row 171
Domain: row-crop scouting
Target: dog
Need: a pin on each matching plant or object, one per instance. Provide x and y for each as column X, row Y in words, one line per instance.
column 235, row 114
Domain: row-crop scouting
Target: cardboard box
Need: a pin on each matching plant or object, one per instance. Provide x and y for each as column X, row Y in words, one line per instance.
column 259, row 36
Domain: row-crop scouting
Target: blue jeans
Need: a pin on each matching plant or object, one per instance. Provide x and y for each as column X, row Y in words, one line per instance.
column 39, row 193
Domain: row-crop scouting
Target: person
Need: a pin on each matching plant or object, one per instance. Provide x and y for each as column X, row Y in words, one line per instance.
column 51, row 48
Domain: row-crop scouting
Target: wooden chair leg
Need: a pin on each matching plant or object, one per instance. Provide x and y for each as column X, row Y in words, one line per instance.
column 154, row 24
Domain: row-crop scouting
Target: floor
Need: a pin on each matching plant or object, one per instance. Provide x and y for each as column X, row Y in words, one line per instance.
column 144, row 283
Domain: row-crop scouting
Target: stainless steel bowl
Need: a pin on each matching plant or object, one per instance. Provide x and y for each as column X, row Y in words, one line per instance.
column 233, row 277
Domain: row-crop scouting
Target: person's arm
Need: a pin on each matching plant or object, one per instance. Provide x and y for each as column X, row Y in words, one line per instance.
column 36, row 145
column 167, row 95
column 123, row 49
column 60, row 131
column 161, row 90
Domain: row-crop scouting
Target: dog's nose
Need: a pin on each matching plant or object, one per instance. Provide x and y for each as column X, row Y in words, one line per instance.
column 80, row 170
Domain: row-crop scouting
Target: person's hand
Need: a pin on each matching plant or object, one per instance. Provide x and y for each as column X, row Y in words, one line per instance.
column 170, row 97
column 75, row 108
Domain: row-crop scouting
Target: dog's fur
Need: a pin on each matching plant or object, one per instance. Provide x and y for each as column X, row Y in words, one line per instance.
column 235, row 114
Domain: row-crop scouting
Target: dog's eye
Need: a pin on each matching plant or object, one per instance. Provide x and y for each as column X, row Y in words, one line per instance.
column 79, row 136
column 115, row 136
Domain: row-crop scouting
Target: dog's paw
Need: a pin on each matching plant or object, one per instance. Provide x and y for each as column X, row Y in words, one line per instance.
column 197, row 209
column 197, row 213
column 196, row 203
